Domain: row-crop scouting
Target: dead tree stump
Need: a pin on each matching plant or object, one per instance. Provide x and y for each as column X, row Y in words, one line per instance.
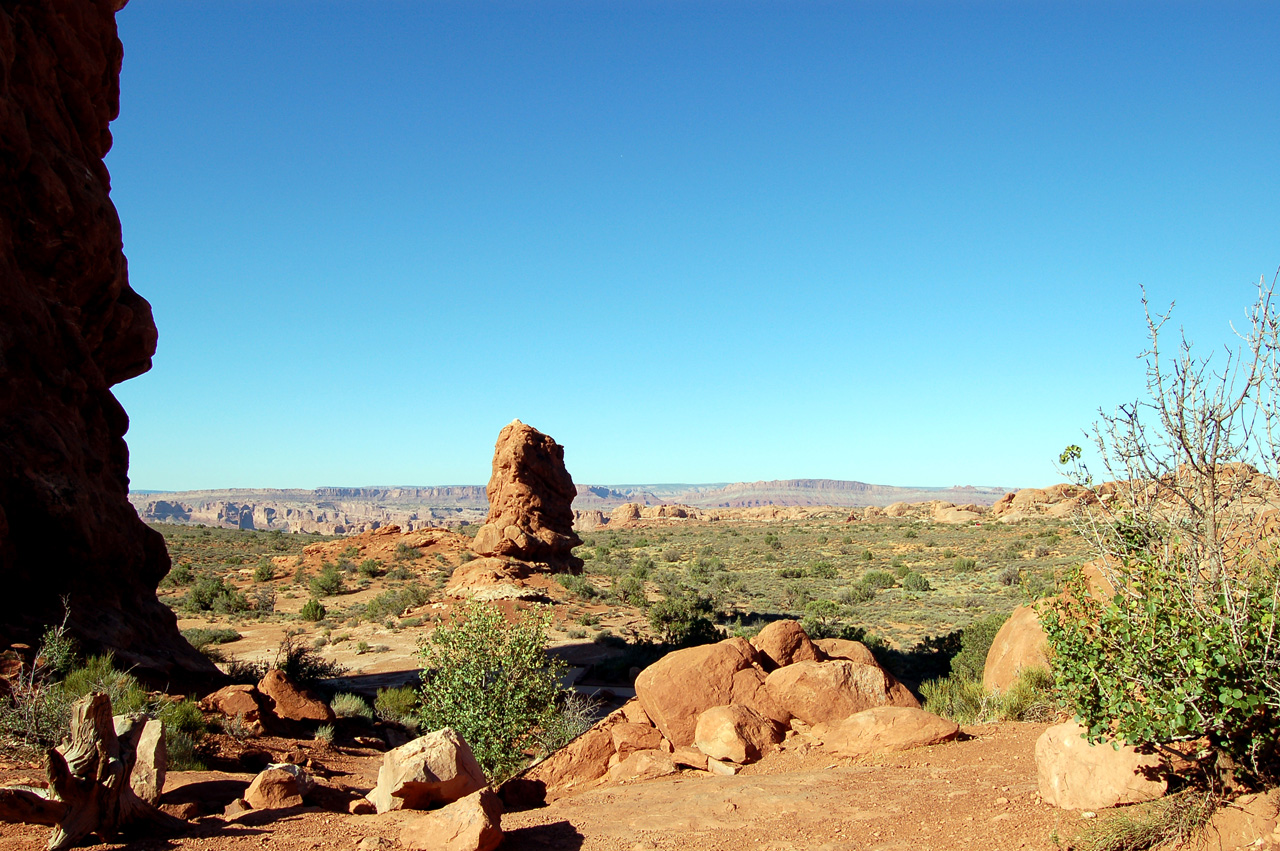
column 89, row 790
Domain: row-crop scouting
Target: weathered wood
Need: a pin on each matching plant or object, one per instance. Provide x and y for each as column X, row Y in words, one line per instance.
column 23, row 805
column 91, row 778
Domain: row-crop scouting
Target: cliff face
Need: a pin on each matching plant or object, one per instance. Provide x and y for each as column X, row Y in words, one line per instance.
column 70, row 328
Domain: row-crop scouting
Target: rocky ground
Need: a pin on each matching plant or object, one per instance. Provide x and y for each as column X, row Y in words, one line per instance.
column 978, row 792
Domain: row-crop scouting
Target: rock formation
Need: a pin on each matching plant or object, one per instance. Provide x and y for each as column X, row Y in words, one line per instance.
column 70, row 328
column 530, row 502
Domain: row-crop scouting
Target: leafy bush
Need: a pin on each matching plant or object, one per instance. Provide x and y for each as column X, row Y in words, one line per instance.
column 791, row 573
column 492, row 682
column 201, row 637
column 371, row 568
column 964, row 565
column 855, row 594
column 404, row 552
column 313, row 610
column 975, row 643
column 578, row 586
column 1184, row 647
column 823, row 570
column 265, row 571
column 213, row 594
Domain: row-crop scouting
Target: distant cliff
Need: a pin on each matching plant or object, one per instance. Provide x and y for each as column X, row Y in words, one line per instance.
column 343, row 511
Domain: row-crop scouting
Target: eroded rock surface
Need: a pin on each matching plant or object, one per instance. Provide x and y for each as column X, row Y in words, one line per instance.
column 70, row 328
column 530, row 502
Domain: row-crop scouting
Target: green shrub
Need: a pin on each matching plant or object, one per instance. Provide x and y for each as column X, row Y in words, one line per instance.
column 396, row 704
column 265, row 571
column 404, row 552
column 325, row 734
column 791, row 573
column 855, row 594
column 961, row 699
column 328, row 582
column 878, row 579
column 823, row 570
column 867, row 555
column 202, row 637
column 916, row 582
column 975, row 643
column 964, row 565
column 213, row 594
column 303, row 664
column 313, row 610
column 910, row 533
column 492, row 682
column 684, row 619
column 1009, row 577
column 578, row 586
column 347, row 705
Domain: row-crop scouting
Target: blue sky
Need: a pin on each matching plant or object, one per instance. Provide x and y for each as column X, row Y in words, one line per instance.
column 898, row 242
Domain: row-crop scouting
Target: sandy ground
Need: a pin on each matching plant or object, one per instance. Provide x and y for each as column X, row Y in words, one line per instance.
column 978, row 793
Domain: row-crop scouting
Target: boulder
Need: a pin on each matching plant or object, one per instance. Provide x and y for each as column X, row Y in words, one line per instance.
column 1020, row 643
column 643, row 765
column 628, row 737
column 634, row 712
column 735, row 733
column 840, row 648
column 274, row 789
column 680, row 686
column 690, row 758
column 575, row 766
column 436, row 768
column 785, row 642
column 241, row 702
column 530, row 502
column 71, row 328
column 749, row 690
column 823, row 692
column 472, row 823
column 290, row 702
column 1076, row 775
column 147, row 777
column 886, row 728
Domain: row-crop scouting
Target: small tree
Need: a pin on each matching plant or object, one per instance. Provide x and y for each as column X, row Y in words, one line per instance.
column 1182, row 644
column 493, row 682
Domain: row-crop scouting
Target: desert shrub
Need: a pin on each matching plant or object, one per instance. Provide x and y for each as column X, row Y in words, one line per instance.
column 671, row 554
column 578, row 586
column 1009, row 577
column 213, row 594
column 574, row 716
column 975, row 643
column 327, row 582
column 948, row 553
column 916, row 582
column 855, row 594
column 325, row 734
column 819, row 619
column 699, row 571
column 867, row 555
column 1173, row 821
column 1032, row 697
column 963, row 564
column 202, row 637
column 772, row 541
column 404, row 552
column 313, row 610
column 303, row 664
column 823, row 570
column 900, row 567
column 179, row 574
column 265, row 571
column 347, row 705
column 684, row 619
column 791, row 573
column 399, row 573
column 371, row 568
column 492, row 681
column 396, row 704
column 629, row 589
column 961, row 699
column 393, row 602
column 910, row 533
column 1185, row 647
column 878, row 579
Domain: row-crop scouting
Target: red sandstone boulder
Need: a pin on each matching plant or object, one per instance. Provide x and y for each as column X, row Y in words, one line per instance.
column 240, row 702
column 886, row 728
column 1020, row 643
column 530, row 502
column 680, row 686
column 628, row 737
column 839, row 648
column 472, row 823
column 290, row 702
column 1076, row 775
column 643, row 765
column 578, row 765
column 436, row 768
column 735, row 733
column 785, row 642
column 823, row 692
column 273, row 789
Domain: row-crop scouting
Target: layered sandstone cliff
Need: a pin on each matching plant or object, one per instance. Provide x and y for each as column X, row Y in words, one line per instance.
column 70, row 328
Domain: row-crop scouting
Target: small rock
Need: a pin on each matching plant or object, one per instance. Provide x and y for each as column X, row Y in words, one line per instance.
column 629, row 737
column 273, row 789
column 436, row 768
column 735, row 733
column 374, row 843
column 361, row 807
column 187, row 810
column 290, row 702
column 643, row 765
column 1076, row 775
column 236, row 807
column 717, row 766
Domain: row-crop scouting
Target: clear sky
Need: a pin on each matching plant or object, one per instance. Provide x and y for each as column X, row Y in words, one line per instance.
column 898, row 242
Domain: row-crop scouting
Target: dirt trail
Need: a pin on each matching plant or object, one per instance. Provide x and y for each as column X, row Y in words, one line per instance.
column 977, row 794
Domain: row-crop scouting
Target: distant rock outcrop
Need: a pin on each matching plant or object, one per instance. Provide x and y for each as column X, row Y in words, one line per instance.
column 530, row 502
column 70, row 328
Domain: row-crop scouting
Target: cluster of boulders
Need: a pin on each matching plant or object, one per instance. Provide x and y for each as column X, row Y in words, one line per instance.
column 718, row 707
column 275, row 705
